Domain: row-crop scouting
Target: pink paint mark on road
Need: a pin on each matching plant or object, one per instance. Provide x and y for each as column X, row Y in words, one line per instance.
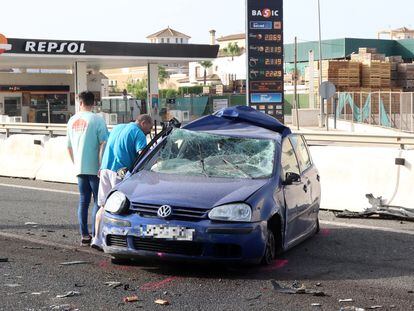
column 325, row 232
column 104, row 264
column 278, row 264
column 159, row 284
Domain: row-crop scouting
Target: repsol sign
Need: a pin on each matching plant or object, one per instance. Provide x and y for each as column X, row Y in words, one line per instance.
column 55, row 47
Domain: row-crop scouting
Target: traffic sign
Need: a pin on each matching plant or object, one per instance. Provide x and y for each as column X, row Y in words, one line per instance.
column 327, row 90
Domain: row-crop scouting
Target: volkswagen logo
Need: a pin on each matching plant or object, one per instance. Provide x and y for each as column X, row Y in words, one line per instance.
column 164, row 211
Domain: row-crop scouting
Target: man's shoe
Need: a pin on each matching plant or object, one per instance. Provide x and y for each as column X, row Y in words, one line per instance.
column 86, row 241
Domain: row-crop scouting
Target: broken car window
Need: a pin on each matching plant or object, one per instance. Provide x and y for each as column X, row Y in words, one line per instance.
column 196, row 153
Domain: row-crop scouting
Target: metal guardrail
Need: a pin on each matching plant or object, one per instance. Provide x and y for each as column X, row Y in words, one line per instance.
column 313, row 138
column 323, row 138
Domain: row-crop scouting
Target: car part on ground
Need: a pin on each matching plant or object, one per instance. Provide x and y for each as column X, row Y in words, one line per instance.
column 380, row 210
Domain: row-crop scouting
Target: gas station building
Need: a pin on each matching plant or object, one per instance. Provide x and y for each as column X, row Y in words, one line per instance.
column 39, row 79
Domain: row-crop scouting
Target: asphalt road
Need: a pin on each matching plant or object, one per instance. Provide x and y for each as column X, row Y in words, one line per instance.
column 368, row 261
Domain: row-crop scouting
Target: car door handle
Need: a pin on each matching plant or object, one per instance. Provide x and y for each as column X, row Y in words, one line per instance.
column 305, row 188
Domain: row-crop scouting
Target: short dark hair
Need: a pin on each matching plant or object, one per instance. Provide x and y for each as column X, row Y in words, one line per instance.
column 87, row 98
column 144, row 118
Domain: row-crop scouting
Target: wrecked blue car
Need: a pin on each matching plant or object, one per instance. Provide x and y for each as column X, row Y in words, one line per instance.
column 235, row 186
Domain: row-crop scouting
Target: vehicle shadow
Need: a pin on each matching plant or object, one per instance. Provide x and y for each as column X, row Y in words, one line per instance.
column 333, row 254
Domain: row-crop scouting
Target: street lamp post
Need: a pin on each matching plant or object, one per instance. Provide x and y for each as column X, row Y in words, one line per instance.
column 320, row 67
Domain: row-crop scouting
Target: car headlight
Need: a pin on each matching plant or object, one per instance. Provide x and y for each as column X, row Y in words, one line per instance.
column 116, row 203
column 232, row 212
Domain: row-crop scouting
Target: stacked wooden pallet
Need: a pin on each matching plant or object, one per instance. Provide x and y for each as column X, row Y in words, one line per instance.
column 406, row 76
column 341, row 73
column 375, row 70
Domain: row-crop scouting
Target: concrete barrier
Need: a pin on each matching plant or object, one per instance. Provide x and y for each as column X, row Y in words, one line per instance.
column 20, row 156
column 57, row 165
column 349, row 173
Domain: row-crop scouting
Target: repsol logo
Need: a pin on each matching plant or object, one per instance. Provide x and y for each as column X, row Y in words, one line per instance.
column 266, row 13
column 54, row 47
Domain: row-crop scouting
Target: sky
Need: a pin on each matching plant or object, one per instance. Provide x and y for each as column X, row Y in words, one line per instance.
column 133, row 20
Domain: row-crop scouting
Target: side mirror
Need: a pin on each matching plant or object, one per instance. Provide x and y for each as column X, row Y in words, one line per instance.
column 291, row 178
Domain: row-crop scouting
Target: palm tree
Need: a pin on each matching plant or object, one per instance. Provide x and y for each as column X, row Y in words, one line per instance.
column 232, row 50
column 162, row 74
column 206, row 64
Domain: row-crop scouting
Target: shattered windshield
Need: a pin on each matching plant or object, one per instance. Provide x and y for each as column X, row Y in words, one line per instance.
column 196, row 153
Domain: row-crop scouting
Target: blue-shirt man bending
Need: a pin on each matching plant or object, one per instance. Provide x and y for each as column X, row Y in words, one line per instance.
column 124, row 143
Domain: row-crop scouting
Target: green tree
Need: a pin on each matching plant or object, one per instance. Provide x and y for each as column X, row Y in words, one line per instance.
column 232, row 50
column 138, row 89
column 163, row 75
column 206, row 64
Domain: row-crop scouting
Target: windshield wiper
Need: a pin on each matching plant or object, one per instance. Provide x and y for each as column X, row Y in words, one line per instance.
column 238, row 168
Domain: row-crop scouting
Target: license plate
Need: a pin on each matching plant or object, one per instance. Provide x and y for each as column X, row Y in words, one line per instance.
column 167, row 232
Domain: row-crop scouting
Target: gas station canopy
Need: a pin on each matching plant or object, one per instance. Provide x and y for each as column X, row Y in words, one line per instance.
column 62, row 54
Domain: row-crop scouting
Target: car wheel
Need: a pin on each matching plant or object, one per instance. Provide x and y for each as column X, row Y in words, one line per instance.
column 270, row 252
column 120, row 261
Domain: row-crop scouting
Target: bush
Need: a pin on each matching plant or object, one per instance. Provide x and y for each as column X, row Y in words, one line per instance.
column 194, row 90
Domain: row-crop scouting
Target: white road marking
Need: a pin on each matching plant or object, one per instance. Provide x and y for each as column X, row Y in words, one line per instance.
column 52, row 244
column 39, row 189
column 357, row 226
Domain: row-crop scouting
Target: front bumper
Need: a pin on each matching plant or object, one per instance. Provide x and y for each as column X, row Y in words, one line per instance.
column 212, row 241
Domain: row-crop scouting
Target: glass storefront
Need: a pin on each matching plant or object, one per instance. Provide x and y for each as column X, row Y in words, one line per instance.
column 48, row 108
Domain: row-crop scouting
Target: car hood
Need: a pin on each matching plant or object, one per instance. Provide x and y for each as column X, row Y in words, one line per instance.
column 187, row 191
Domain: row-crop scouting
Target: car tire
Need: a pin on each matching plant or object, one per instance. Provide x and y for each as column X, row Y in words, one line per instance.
column 120, row 261
column 270, row 251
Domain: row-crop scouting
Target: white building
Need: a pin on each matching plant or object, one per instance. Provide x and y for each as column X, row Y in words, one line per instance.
column 169, row 35
column 225, row 68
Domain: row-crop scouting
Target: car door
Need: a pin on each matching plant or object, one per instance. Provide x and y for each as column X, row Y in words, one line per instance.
column 295, row 196
column 315, row 185
column 306, row 214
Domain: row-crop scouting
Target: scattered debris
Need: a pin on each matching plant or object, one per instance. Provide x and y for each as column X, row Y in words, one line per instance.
column 318, row 284
column 72, row 263
column 51, row 231
column 113, row 284
column 69, row 294
column 393, row 306
column 410, row 291
column 254, row 298
column 296, row 289
column 346, row 300
column 32, row 247
column 316, row 305
column 131, row 299
column 12, row 285
column 79, row 285
column 375, row 307
column 39, row 293
column 62, row 307
column 4, row 259
column 379, row 209
column 162, row 302
column 30, row 223
column 352, row 308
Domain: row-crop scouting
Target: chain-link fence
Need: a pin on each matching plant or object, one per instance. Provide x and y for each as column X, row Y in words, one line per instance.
column 385, row 109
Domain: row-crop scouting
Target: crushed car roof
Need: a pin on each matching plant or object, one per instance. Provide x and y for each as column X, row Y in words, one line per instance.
column 239, row 119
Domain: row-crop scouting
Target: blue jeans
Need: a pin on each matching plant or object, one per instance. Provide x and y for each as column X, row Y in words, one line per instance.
column 88, row 185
